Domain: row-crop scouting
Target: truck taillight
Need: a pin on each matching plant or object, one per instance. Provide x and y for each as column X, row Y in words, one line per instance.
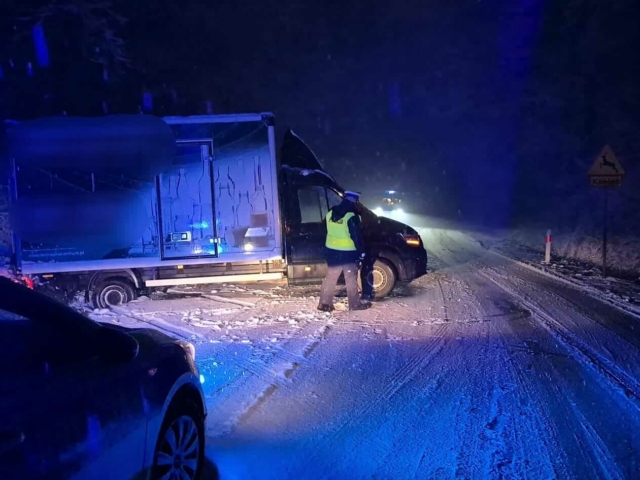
column 26, row 281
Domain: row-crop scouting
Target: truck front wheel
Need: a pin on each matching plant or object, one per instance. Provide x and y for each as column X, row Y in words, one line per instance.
column 382, row 278
column 112, row 292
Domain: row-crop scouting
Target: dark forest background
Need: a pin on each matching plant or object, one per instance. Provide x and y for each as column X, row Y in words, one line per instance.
column 488, row 110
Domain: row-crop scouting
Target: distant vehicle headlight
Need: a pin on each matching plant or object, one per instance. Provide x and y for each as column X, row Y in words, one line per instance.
column 400, row 211
column 377, row 211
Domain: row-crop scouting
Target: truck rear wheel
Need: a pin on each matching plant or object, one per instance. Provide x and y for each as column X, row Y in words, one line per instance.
column 112, row 292
column 382, row 278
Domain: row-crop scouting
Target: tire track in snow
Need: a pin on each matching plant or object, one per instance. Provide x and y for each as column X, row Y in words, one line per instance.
column 397, row 381
column 574, row 283
column 563, row 436
column 444, row 301
column 584, row 353
column 226, row 412
column 503, row 426
column 619, row 323
column 160, row 324
column 535, row 418
column 595, row 451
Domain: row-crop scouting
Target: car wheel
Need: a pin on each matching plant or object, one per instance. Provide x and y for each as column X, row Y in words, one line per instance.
column 112, row 293
column 179, row 451
column 382, row 278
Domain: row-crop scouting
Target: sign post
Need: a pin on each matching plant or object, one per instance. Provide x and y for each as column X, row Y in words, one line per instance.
column 606, row 172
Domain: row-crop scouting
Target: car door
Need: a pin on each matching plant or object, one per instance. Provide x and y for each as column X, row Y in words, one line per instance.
column 306, row 231
column 64, row 412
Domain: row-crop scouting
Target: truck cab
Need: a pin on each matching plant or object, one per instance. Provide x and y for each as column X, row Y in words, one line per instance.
column 395, row 250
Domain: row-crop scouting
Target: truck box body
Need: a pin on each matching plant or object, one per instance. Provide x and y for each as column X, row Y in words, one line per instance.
column 210, row 196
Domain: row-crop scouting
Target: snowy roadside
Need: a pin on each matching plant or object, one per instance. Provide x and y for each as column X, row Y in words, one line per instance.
column 623, row 294
column 229, row 314
column 581, row 246
column 451, row 244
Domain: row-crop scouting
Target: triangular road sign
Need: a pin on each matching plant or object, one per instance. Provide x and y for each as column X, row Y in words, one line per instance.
column 606, row 164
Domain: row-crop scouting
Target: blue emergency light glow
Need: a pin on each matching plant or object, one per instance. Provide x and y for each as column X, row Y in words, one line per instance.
column 200, row 225
column 40, row 43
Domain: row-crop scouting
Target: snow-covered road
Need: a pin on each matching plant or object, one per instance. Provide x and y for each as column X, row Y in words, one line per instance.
column 485, row 368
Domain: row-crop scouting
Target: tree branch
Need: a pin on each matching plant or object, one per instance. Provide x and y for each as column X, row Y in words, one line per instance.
column 99, row 26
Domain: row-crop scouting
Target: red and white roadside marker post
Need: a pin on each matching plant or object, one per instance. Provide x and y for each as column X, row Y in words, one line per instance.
column 606, row 172
column 547, row 250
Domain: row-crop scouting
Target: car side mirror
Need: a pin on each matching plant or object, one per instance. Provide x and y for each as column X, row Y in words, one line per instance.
column 115, row 346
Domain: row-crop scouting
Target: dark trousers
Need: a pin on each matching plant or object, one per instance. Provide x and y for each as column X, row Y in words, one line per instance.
column 366, row 268
column 350, row 271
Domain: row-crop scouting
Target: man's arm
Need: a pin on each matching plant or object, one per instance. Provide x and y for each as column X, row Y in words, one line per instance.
column 355, row 231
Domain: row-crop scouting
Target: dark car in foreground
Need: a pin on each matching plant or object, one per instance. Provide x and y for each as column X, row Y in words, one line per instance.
column 80, row 399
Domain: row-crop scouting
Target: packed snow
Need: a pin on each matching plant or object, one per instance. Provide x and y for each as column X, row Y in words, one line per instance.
column 494, row 365
column 488, row 367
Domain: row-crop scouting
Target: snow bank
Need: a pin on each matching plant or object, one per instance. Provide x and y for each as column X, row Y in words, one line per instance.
column 623, row 252
column 577, row 221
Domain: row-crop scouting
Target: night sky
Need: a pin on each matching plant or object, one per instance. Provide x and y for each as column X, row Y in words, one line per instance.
column 478, row 108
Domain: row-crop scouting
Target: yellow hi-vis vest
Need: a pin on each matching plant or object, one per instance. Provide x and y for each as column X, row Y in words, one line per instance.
column 338, row 237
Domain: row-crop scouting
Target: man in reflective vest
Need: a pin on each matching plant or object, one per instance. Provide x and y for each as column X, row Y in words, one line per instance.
column 344, row 248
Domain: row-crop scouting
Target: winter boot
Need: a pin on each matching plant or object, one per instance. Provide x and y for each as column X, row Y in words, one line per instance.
column 326, row 308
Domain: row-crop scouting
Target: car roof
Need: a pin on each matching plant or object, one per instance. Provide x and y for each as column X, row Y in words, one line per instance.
column 35, row 306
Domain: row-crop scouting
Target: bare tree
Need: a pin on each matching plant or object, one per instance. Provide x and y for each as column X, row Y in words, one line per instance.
column 91, row 25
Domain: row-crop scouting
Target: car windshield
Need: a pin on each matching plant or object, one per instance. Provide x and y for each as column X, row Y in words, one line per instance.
column 366, row 214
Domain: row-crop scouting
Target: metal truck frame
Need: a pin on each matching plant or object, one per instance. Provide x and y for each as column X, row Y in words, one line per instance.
column 112, row 281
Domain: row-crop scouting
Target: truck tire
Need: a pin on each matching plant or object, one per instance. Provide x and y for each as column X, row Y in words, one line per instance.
column 112, row 292
column 382, row 278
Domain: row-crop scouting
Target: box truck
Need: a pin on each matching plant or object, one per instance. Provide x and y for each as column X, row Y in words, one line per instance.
column 117, row 205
